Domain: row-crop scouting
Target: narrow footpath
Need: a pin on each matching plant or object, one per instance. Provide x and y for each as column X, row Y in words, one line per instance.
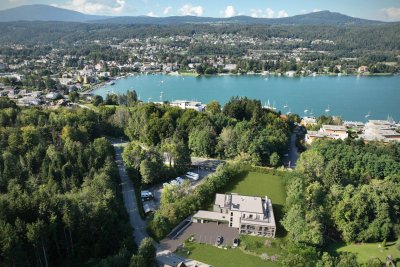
column 128, row 192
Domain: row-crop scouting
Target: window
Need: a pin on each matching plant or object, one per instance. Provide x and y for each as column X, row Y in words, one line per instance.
column 244, row 216
column 231, row 213
column 251, row 216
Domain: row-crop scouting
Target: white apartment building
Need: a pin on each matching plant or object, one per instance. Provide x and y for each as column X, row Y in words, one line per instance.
column 184, row 104
column 250, row 215
column 380, row 130
column 328, row 132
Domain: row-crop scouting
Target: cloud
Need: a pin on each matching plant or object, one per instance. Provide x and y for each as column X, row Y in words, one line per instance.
column 390, row 14
column 100, row 7
column 167, row 10
column 268, row 13
column 151, row 14
column 189, row 10
column 230, row 11
column 282, row 14
column 259, row 13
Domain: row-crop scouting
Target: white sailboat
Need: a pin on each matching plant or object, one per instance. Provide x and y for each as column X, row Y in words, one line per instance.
column 327, row 109
column 268, row 105
column 285, row 106
column 161, row 96
column 273, row 106
column 289, row 112
column 306, row 110
column 368, row 115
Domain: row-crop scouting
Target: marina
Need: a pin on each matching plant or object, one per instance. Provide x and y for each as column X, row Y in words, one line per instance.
column 350, row 97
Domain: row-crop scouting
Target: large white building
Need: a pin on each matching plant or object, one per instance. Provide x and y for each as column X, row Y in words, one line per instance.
column 380, row 130
column 329, row 132
column 185, row 104
column 250, row 215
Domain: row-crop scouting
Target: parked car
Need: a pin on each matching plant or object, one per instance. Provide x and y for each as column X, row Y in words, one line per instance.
column 192, row 176
column 219, row 240
column 235, row 242
column 174, row 182
column 146, row 195
column 179, row 180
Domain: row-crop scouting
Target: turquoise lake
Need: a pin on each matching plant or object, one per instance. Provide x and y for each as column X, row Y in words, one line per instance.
column 350, row 97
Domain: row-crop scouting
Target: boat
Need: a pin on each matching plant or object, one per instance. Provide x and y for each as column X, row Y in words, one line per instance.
column 161, row 96
column 306, row 110
column 289, row 112
column 267, row 105
column 273, row 106
column 368, row 115
column 327, row 109
column 311, row 112
column 110, row 83
column 285, row 106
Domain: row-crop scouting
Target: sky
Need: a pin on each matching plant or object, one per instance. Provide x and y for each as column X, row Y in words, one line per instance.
column 386, row 10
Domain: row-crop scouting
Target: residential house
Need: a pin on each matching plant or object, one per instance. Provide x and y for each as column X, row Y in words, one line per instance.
column 251, row 215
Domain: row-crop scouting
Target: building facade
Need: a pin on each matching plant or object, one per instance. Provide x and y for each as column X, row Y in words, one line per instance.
column 250, row 215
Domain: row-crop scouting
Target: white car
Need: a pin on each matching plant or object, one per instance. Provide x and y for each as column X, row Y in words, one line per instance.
column 179, row 180
column 146, row 195
column 174, row 182
column 192, row 176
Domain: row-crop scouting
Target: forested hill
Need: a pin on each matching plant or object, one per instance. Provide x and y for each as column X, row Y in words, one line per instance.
column 44, row 13
column 356, row 39
column 51, row 13
column 315, row 18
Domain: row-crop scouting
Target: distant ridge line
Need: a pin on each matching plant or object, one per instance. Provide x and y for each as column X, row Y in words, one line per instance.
column 52, row 13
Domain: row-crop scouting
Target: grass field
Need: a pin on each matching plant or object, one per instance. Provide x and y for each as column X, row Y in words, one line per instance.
column 218, row 257
column 260, row 184
column 257, row 245
column 368, row 251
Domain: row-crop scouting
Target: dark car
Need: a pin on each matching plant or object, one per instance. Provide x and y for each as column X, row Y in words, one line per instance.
column 235, row 242
column 219, row 241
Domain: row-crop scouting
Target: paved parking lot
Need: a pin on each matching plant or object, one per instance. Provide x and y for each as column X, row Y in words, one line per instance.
column 157, row 189
column 206, row 233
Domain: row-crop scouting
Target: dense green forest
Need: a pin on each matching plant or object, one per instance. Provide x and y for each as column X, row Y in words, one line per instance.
column 60, row 200
column 343, row 191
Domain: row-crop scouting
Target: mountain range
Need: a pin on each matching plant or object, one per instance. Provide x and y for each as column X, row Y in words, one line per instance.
column 51, row 13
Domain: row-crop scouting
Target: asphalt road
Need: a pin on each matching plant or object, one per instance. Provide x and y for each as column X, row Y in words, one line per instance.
column 128, row 192
column 293, row 153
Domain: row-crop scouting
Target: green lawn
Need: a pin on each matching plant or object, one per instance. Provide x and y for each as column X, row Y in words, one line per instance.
column 218, row 257
column 261, row 184
column 368, row 251
column 257, row 244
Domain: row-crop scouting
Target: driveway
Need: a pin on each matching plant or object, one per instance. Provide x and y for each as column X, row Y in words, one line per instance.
column 293, row 153
column 205, row 233
column 128, row 192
